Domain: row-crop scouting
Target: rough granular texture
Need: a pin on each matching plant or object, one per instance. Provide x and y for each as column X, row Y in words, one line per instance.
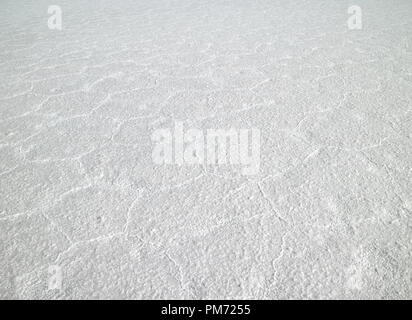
column 86, row 213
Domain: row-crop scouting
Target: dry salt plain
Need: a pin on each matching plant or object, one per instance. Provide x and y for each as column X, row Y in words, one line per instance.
column 86, row 213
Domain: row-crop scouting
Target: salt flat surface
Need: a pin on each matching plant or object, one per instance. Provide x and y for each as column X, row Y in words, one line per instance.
column 329, row 215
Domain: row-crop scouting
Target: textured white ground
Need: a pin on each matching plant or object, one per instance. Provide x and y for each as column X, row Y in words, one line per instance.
column 328, row 216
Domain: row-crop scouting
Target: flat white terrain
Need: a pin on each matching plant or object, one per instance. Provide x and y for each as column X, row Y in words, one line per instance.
column 86, row 213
